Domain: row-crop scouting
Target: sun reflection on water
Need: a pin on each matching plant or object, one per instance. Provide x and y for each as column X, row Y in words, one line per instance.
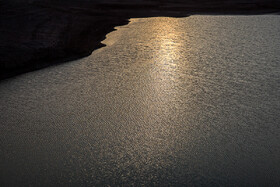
column 154, row 139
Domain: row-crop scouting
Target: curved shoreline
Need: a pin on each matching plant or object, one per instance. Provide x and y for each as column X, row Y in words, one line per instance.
column 37, row 35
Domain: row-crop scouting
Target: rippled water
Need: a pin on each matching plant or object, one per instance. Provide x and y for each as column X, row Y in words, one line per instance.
column 169, row 101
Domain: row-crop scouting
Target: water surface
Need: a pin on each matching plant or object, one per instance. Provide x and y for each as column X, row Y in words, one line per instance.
column 169, row 101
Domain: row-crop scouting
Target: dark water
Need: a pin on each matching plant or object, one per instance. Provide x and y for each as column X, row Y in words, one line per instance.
column 192, row 101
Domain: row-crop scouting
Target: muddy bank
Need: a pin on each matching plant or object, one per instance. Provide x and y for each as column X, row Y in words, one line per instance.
column 37, row 34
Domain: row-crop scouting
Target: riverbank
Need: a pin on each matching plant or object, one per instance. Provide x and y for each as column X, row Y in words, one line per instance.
column 38, row 34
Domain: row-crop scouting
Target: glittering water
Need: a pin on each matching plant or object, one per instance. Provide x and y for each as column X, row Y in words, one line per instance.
column 169, row 101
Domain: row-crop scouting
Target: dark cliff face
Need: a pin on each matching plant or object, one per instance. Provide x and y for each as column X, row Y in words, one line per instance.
column 33, row 37
column 38, row 33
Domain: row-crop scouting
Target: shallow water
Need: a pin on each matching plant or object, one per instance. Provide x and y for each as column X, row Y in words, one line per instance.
column 168, row 101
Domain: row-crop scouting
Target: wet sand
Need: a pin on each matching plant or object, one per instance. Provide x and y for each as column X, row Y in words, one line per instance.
column 38, row 34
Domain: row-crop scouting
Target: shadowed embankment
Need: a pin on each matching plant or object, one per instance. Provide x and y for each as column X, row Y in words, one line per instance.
column 39, row 33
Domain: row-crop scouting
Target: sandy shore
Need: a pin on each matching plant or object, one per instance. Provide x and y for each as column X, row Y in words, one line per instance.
column 37, row 34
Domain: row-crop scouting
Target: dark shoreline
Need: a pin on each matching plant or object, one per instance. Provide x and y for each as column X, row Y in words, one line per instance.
column 43, row 33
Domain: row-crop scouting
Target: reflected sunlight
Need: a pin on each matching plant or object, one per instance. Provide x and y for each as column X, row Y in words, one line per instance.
column 161, row 94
